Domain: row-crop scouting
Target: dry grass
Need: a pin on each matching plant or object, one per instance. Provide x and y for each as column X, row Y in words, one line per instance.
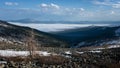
column 52, row 60
column 49, row 60
column 114, row 65
column 16, row 59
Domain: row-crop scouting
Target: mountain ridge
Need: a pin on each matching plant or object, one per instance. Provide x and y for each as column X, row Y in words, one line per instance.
column 93, row 35
column 71, row 38
column 20, row 33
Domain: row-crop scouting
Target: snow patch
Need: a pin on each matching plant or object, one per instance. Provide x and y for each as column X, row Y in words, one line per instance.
column 99, row 48
column 68, row 56
column 114, row 46
column 3, row 25
column 68, row 52
column 13, row 53
column 8, row 53
column 44, row 53
column 95, row 51
column 79, row 52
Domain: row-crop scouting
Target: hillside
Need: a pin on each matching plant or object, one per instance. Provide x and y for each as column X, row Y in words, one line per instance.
column 50, row 55
column 89, row 36
column 78, row 37
column 19, row 35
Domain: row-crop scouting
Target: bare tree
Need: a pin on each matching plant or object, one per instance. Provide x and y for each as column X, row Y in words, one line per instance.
column 31, row 45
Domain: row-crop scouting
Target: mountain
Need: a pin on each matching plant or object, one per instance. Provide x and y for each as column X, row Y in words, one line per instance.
column 19, row 35
column 28, row 20
column 89, row 36
column 78, row 37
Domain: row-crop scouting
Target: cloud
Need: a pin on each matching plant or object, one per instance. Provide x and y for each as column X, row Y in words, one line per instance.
column 55, row 27
column 100, row 3
column 50, row 6
column 54, row 9
column 44, row 5
column 54, row 6
column 68, row 14
column 115, row 4
column 11, row 3
column 82, row 9
column 112, row 12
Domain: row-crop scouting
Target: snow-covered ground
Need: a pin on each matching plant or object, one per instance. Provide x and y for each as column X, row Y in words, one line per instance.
column 99, row 48
column 68, row 52
column 114, row 46
column 57, row 26
column 11, row 53
column 8, row 53
column 96, row 51
column 79, row 52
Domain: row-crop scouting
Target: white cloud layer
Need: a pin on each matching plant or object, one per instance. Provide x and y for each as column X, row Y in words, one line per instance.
column 57, row 27
column 115, row 4
column 82, row 9
column 11, row 3
column 55, row 12
column 52, row 5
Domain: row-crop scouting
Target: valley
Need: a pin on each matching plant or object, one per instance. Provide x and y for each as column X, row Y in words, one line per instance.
column 25, row 47
column 59, row 33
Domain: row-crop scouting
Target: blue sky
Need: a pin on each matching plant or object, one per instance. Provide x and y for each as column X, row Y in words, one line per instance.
column 60, row 10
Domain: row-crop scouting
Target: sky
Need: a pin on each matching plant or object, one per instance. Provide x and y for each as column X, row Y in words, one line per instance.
column 60, row 10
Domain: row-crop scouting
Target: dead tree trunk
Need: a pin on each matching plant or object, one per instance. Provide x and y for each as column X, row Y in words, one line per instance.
column 31, row 45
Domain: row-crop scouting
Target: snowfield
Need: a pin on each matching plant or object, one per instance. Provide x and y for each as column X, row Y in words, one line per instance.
column 9, row 53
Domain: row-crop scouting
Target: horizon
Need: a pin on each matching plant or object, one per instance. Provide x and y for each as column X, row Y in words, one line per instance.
column 60, row 10
column 56, row 27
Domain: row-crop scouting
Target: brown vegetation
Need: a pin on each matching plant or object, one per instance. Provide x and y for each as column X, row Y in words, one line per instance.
column 52, row 60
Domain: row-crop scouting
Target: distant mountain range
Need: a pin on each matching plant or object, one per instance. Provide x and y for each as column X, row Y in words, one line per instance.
column 27, row 20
